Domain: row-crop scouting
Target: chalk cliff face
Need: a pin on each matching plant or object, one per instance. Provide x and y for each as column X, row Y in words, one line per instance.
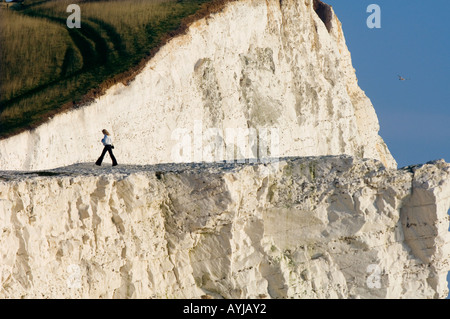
column 277, row 72
column 258, row 79
column 315, row 227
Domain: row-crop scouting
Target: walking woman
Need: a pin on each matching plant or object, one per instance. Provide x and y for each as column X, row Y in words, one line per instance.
column 107, row 142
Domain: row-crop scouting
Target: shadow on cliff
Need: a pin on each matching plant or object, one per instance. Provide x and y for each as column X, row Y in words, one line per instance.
column 325, row 13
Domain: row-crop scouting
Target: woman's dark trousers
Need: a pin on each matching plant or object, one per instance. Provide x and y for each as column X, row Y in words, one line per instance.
column 109, row 149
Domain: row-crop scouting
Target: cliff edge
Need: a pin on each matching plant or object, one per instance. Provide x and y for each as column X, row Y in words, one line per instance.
column 318, row 227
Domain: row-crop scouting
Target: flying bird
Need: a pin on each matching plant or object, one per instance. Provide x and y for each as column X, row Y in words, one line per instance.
column 401, row 78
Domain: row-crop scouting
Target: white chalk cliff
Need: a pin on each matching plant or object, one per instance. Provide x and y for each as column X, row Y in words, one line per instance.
column 256, row 64
column 333, row 218
column 319, row 227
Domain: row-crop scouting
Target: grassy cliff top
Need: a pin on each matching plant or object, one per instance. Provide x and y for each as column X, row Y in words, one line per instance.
column 47, row 67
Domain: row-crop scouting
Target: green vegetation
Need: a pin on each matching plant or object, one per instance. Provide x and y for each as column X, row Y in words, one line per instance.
column 46, row 67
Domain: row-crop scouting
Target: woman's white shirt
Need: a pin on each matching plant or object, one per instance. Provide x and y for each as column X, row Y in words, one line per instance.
column 107, row 140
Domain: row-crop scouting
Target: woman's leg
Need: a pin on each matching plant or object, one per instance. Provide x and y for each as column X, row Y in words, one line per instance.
column 100, row 159
column 114, row 161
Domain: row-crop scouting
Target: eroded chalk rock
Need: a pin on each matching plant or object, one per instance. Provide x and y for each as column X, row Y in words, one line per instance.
column 317, row 227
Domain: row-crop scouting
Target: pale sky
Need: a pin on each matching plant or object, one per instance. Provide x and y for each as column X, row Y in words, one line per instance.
column 413, row 41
